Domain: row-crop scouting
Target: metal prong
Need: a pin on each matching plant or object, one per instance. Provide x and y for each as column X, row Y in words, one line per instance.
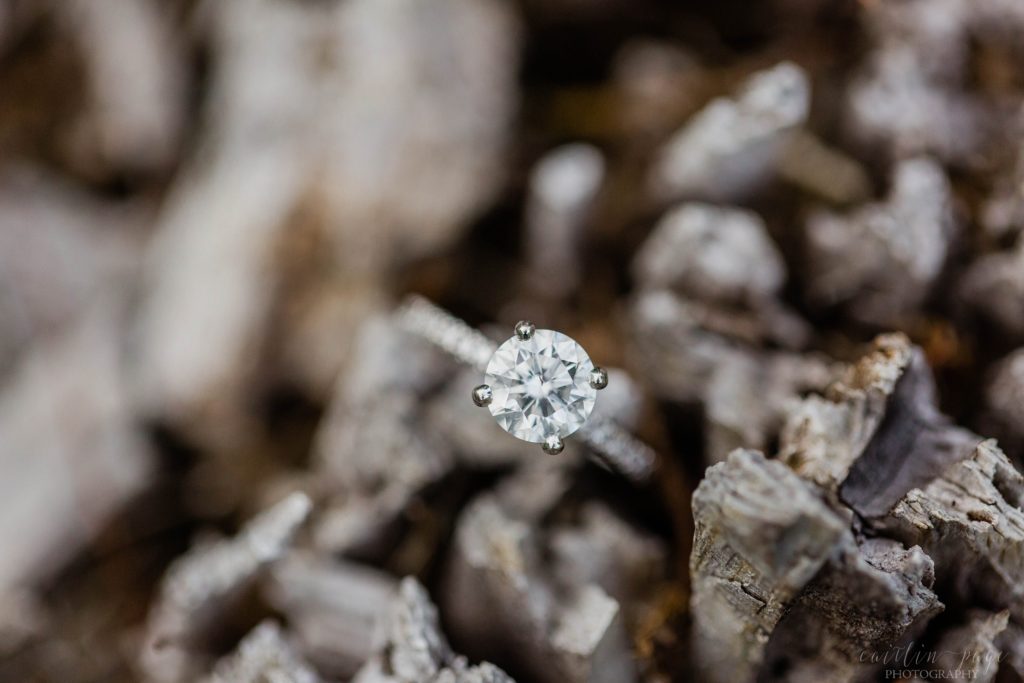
column 524, row 329
column 599, row 378
column 482, row 395
column 553, row 445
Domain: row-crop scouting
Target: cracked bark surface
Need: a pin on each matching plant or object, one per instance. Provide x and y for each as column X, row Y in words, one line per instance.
column 909, row 512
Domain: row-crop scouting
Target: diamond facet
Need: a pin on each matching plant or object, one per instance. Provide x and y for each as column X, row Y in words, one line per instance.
column 540, row 386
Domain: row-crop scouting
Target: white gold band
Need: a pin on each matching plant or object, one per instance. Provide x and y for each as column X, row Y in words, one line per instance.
column 612, row 446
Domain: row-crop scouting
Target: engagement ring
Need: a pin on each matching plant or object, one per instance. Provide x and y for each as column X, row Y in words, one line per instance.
column 540, row 385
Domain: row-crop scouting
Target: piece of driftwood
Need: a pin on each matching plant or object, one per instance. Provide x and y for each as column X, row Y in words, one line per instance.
column 994, row 287
column 136, row 82
column 65, row 407
column 825, row 435
column 914, row 478
column 941, row 513
column 695, row 354
column 1003, row 211
column 710, row 279
column 200, row 586
column 972, row 651
column 898, row 245
column 374, row 448
column 209, row 207
column 336, row 609
column 264, row 655
column 506, row 606
column 563, row 188
column 359, row 194
column 416, row 651
column 43, row 218
column 870, row 596
column 603, row 549
column 968, row 518
column 712, row 254
column 1004, row 402
column 761, row 535
column 732, row 146
column 908, row 96
column 877, row 432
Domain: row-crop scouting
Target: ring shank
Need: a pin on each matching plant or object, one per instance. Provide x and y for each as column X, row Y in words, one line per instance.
column 613, row 447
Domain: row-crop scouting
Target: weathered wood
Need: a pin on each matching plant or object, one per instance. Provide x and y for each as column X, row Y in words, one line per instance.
column 200, row 585
column 732, row 145
column 898, row 246
column 968, row 518
column 501, row 598
column 762, row 533
column 868, row 598
column 971, row 651
column 416, row 651
column 263, row 655
column 336, row 610
column 877, row 433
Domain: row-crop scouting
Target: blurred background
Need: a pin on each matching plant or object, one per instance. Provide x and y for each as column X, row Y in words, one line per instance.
column 209, row 208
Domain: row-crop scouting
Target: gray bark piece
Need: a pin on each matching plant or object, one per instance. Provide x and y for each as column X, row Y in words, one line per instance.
column 590, row 640
column 700, row 355
column 42, row 292
column 868, row 598
column 910, row 98
column 335, row 609
column 71, row 453
column 564, row 185
column 1004, row 400
column 732, row 146
column 877, row 433
column 211, row 257
column 415, row 650
column 712, row 254
column 1003, row 212
column 500, row 601
column 969, row 520
column 824, row 436
column 353, row 103
column 413, row 85
column 971, row 651
column 135, row 80
column 746, row 401
column 762, row 533
column 604, row 550
column 896, row 105
column 23, row 619
column 263, row 656
column 1011, row 648
column 680, row 344
column 994, row 286
column 200, row 585
column 374, row 449
column 882, row 259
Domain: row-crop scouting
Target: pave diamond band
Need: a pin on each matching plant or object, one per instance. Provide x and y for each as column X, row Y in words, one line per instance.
column 540, row 385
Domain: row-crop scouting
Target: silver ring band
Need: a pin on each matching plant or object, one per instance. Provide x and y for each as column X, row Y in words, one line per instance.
column 613, row 447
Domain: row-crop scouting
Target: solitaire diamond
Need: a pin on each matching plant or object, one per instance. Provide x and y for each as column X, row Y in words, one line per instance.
column 541, row 386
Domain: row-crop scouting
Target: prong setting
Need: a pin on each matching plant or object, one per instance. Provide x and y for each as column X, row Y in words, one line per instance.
column 599, row 378
column 553, row 445
column 524, row 329
column 482, row 395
